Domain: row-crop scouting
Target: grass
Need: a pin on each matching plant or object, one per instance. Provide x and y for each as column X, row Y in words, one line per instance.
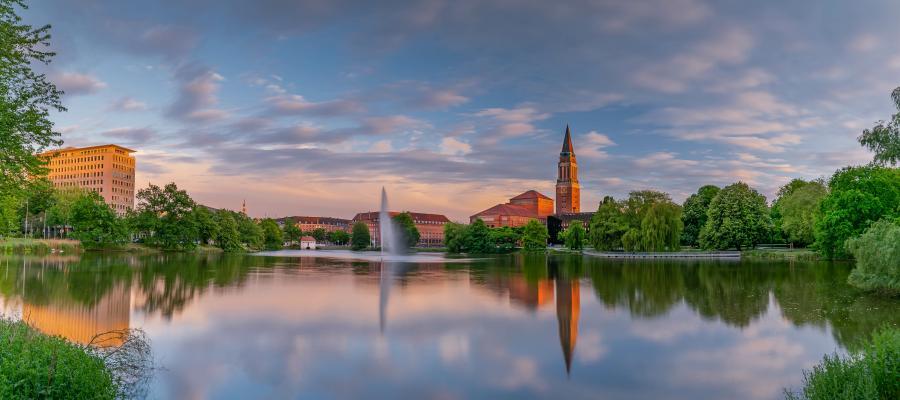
column 38, row 246
column 34, row 365
column 781, row 254
column 872, row 373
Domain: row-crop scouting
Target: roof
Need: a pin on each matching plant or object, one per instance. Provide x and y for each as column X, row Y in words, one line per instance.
column 509, row 209
column 416, row 216
column 567, row 142
column 530, row 195
column 307, row 239
column 315, row 220
column 68, row 149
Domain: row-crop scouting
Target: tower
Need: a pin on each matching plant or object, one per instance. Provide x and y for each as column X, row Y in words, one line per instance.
column 244, row 207
column 568, row 192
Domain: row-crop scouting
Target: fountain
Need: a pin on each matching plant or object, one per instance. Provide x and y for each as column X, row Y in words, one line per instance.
column 391, row 243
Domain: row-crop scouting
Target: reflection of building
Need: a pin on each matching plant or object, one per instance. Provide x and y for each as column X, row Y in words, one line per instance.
column 568, row 306
column 81, row 323
column 430, row 226
column 107, row 170
column 520, row 209
column 309, row 224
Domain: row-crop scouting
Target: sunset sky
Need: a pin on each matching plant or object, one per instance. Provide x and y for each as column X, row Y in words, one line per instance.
column 309, row 107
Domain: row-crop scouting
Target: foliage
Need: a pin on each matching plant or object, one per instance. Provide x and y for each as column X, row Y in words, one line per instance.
column 693, row 216
column 877, row 253
column 26, row 98
column 207, row 228
column 504, row 239
column 165, row 217
column 884, row 138
column 249, row 231
column 661, row 227
column 534, row 237
column 60, row 213
column 320, row 234
column 291, row 231
column 273, row 239
column 408, row 229
column 360, row 237
column 338, row 237
column 608, row 225
column 10, row 203
column 478, row 238
column 34, row 365
column 871, row 373
column 796, row 211
column 95, row 224
column 227, row 236
column 737, row 218
column 858, row 196
column 574, row 236
column 646, row 221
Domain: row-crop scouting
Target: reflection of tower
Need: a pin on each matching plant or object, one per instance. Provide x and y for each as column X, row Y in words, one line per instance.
column 568, row 305
column 80, row 323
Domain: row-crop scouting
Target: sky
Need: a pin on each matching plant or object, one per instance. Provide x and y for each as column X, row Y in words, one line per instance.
column 309, row 107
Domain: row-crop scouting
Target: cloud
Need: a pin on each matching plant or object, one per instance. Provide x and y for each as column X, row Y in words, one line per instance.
column 675, row 74
column 864, row 43
column 128, row 104
column 454, row 146
column 297, row 105
column 509, row 122
column 73, row 83
column 196, row 98
column 131, row 136
column 592, row 145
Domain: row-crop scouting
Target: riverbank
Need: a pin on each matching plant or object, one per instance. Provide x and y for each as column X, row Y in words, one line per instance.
column 781, row 254
column 732, row 255
column 38, row 246
column 34, row 365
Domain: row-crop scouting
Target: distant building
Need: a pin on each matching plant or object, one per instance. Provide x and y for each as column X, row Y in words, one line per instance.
column 520, row 209
column 309, row 224
column 430, row 226
column 107, row 170
column 308, row 242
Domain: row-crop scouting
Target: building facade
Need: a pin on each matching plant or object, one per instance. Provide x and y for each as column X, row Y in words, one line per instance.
column 518, row 211
column 309, row 224
column 107, row 170
column 568, row 191
column 430, row 226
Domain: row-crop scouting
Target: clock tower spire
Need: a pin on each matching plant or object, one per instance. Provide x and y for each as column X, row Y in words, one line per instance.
column 568, row 191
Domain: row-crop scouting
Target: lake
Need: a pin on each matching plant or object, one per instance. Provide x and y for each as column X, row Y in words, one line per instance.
column 303, row 325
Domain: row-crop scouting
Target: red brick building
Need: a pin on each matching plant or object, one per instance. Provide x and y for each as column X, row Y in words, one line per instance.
column 430, row 226
column 520, row 209
column 309, row 224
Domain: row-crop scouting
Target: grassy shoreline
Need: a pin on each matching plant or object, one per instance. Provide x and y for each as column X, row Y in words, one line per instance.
column 782, row 255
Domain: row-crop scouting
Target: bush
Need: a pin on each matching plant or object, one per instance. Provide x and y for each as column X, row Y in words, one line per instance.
column 34, row 365
column 873, row 373
column 877, row 253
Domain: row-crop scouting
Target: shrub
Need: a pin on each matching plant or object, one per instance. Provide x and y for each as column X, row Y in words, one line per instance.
column 34, row 365
column 877, row 253
column 873, row 373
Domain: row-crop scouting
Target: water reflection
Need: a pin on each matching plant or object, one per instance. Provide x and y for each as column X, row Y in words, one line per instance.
column 486, row 328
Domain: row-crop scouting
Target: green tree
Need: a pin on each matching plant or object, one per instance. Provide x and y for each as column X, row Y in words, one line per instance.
column 338, row 237
column 360, row 237
column 858, row 196
column 574, row 236
column 454, row 237
column 250, row 232
column 407, row 229
column 504, row 239
column 26, row 99
column 272, row 237
column 737, row 218
column 877, row 253
column 292, row 232
column 165, row 217
column 207, row 228
column 694, row 213
column 661, row 227
column 477, row 238
column 60, row 213
column 608, row 225
column 797, row 211
column 884, row 138
column 95, row 224
column 227, row 236
column 535, row 236
column 631, row 240
column 319, row 234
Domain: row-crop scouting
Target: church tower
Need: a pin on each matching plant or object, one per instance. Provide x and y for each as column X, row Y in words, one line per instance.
column 568, row 192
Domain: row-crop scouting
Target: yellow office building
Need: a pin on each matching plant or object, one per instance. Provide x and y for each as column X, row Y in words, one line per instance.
column 107, row 170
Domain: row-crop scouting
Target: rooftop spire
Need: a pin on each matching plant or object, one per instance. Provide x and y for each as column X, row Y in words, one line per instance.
column 567, row 142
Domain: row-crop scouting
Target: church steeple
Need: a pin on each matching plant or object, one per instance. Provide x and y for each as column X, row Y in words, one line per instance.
column 568, row 191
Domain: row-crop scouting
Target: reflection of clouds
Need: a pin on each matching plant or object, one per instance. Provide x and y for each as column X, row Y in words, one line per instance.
column 515, row 372
column 668, row 330
column 454, row 347
column 590, row 347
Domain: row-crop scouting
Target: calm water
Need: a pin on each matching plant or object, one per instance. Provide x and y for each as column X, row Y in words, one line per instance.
column 513, row 326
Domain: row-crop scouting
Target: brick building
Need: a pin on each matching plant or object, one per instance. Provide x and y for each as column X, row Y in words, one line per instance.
column 107, row 170
column 309, row 224
column 430, row 226
column 520, row 209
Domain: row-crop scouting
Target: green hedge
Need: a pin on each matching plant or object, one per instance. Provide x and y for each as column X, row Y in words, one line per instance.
column 37, row 366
